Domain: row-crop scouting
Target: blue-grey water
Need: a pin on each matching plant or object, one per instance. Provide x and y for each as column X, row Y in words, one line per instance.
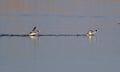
column 98, row 53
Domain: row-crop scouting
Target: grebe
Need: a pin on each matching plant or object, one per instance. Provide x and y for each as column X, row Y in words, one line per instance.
column 91, row 32
column 34, row 31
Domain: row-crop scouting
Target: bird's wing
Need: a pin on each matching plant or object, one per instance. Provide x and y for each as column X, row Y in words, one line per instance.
column 34, row 28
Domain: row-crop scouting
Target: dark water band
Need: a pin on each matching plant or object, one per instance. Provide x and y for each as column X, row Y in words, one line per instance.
column 1, row 35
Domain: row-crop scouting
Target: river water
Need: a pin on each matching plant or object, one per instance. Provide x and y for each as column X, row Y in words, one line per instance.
column 98, row 53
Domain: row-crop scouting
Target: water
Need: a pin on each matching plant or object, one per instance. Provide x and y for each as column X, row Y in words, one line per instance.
column 98, row 53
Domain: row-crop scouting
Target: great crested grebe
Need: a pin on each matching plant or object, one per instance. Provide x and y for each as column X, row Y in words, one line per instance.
column 91, row 32
column 34, row 31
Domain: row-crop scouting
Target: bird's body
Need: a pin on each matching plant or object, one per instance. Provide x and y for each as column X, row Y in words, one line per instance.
column 34, row 32
column 91, row 32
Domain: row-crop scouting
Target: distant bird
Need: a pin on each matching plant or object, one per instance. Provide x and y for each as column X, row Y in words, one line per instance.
column 91, row 32
column 34, row 31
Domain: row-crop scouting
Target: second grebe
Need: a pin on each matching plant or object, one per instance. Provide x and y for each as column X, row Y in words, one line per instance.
column 34, row 31
column 92, row 32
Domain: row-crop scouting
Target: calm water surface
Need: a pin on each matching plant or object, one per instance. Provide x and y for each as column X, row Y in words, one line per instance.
column 60, row 53
column 63, row 53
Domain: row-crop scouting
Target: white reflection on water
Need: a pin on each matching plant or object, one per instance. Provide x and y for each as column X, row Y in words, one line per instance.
column 91, row 37
column 34, row 37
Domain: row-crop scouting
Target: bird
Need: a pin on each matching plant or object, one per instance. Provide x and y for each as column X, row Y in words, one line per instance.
column 34, row 31
column 91, row 32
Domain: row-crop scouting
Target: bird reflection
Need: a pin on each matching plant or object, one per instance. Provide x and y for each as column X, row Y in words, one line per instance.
column 91, row 37
column 34, row 37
